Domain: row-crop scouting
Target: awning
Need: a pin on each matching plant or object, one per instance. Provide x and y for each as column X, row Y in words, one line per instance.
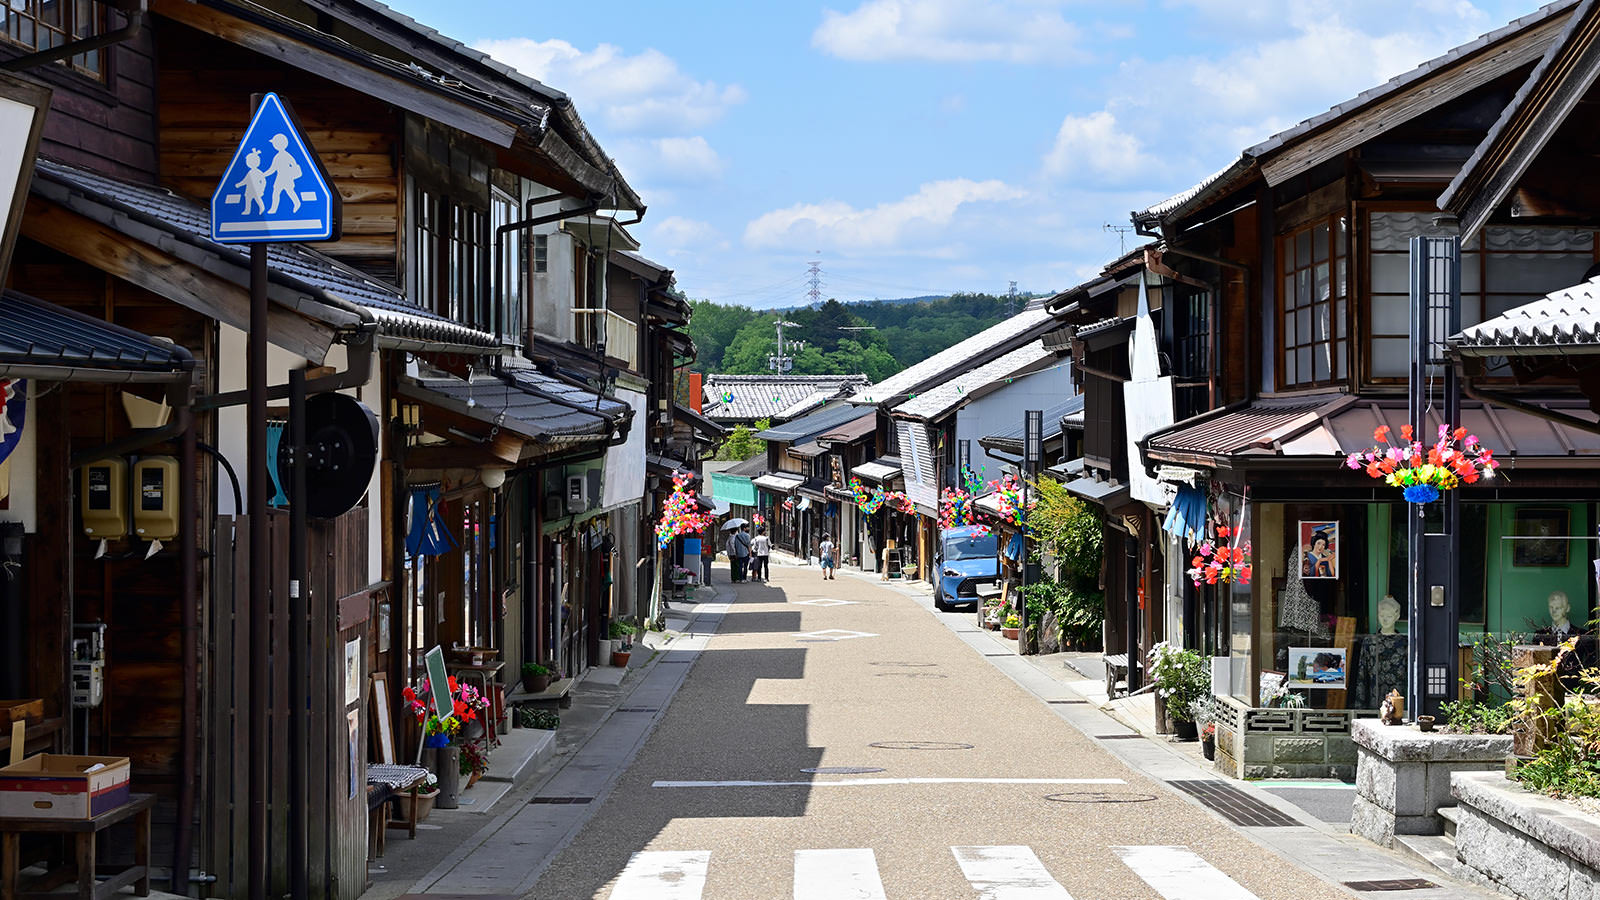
column 808, row 450
column 1228, row 432
column 1066, row 471
column 1104, row 493
column 701, row 424
column 988, row 503
column 834, row 492
column 882, row 469
column 657, row 464
column 777, row 483
column 734, row 489
column 507, row 417
column 815, row 488
column 855, row 430
column 49, row 342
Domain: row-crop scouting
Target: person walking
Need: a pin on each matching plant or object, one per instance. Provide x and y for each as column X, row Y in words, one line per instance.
column 761, row 555
column 708, row 555
column 738, row 553
column 825, row 550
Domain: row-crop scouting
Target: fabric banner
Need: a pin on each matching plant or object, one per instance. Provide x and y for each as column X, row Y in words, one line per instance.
column 428, row 535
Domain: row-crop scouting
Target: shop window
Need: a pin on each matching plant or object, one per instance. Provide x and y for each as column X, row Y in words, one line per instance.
column 46, row 24
column 1503, row 267
column 1313, row 328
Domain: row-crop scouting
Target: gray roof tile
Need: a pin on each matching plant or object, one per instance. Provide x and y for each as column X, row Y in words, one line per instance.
column 36, row 333
column 1566, row 321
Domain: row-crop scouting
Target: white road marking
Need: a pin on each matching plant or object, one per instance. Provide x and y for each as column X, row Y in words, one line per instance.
column 824, row 601
column 663, row 875
column 833, row 634
column 867, row 782
column 836, row 875
column 1178, row 873
column 1008, row 873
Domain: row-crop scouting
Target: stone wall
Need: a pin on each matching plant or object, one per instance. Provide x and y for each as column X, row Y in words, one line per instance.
column 1523, row 843
column 1403, row 776
column 1283, row 743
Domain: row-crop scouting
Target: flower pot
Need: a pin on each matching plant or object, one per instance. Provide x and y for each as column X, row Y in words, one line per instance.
column 473, row 778
column 471, row 731
column 1208, row 748
column 619, row 658
column 401, row 808
column 535, row 684
column 1424, row 723
column 1186, row 731
column 1009, row 634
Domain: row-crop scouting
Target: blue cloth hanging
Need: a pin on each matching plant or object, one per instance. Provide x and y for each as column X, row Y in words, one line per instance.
column 1014, row 547
column 1187, row 517
column 428, row 535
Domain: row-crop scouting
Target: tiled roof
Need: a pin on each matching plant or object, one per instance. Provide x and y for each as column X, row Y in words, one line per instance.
column 36, row 333
column 883, row 468
column 750, row 468
column 751, row 397
column 292, row 264
column 521, row 405
column 1239, row 167
column 807, row 427
column 1034, row 320
column 1256, row 426
column 1566, row 321
column 1072, row 406
column 958, row 389
column 854, row 430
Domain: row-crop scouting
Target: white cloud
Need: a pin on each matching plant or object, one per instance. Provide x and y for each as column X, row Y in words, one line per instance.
column 1094, row 147
column 1018, row 31
column 679, row 232
column 669, row 161
column 643, row 93
column 839, row 225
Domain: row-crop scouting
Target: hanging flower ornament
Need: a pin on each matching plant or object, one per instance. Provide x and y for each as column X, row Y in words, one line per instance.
column 788, row 502
column 956, row 509
column 1219, row 562
column 1456, row 457
column 898, row 501
column 681, row 515
column 1010, row 500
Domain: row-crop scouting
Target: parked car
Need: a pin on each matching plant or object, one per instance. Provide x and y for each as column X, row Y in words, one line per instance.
column 968, row 557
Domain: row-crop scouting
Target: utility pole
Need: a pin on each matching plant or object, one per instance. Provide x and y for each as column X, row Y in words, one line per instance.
column 1122, row 236
column 781, row 362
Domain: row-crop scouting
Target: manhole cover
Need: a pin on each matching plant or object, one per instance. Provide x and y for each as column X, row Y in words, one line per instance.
column 909, row 675
column 1100, row 797
column 844, row 770
column 919, row 745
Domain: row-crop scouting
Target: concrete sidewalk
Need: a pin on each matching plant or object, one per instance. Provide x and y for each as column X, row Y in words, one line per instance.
column 1073, row 685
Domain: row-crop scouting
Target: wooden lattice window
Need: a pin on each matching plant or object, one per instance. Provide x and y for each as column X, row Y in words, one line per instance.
column 46, row 24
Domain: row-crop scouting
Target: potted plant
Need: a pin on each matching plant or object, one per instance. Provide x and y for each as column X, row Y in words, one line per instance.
column 426, row 795
column 1208, row 740
column 991, row 614
column 474, row 761
column 1180, row 678
column 1011, row 626
column 535, row 677
column 1204, row 713
column 622, row 633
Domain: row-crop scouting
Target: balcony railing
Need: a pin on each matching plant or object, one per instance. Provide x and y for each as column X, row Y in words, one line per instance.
column 621, row 336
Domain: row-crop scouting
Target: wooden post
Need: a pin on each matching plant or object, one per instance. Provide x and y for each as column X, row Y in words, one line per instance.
column 1530, row 735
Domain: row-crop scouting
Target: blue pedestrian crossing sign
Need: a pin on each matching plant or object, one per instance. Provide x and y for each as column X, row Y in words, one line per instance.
column 274, row 189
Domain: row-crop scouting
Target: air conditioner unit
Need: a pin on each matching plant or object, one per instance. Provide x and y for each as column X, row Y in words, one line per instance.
column 577, row 494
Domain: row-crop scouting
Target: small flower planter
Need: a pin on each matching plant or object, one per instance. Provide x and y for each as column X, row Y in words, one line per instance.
column 1009, row 634
column 400, row 809
column 619, row 658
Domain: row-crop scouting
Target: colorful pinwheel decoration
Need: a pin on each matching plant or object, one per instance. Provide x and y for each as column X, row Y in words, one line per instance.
column 681, row 515
column 1010, row 500
column 1218, row 562
column 1456, row 457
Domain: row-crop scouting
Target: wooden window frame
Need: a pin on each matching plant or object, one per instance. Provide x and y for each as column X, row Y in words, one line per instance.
column 1288, row 309
column 13, row 21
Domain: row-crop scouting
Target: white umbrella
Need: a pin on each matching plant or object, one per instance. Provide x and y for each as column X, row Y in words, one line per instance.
column 731, row 524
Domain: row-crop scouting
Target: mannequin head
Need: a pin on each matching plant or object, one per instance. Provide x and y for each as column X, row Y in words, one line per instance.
column 1560, row 609
column 1388, row 614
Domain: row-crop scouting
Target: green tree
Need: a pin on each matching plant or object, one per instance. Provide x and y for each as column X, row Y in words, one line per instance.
column 713, row 327
column 742, row 443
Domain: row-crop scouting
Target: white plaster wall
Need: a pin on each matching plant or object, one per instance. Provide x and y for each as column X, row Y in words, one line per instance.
column 553, row 290
column 624, row 480
column 1002, row 410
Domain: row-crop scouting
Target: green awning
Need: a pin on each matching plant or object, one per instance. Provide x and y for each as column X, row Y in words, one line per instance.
column 733, row 489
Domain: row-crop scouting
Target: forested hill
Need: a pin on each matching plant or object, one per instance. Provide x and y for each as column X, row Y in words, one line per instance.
column 878, row 338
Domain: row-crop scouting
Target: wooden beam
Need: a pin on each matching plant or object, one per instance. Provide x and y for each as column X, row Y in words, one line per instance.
column 190, row 286
column 406, row 94
column 452, row 456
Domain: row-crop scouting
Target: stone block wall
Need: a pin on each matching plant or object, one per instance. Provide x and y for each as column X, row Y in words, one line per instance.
column 1525, row 844
column 1403, row 776
column 1283, row 743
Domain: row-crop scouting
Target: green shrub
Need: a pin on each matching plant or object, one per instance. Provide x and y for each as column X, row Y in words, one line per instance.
column 544, row 719
column 1181, row 677
column 534, row 670
column 1471, row 717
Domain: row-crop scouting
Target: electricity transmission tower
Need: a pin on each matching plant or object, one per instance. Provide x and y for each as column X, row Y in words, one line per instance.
column 814, row 279
column 1011, row 298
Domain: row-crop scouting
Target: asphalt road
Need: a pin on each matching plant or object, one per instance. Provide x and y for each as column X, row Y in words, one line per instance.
column 718, row 803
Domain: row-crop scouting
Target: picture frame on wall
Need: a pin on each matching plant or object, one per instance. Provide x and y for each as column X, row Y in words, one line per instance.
column 1539, row 537
column 1318, row 549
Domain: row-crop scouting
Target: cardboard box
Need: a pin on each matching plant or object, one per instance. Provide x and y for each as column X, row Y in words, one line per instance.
column 49, row 786
column 13, row 710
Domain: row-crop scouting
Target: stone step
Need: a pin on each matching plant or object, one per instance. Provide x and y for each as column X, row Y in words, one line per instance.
column 1448, row 814
column 1436, row 850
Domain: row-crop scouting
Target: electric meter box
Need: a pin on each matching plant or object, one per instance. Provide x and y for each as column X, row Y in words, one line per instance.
column 103, row 499
column 155, row 498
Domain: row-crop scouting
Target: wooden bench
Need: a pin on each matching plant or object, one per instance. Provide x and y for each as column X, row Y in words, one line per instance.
column 1116, row 670
column 82, row 834
column 558, row 694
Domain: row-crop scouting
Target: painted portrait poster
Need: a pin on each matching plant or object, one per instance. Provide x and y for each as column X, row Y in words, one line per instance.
column 1319, row 550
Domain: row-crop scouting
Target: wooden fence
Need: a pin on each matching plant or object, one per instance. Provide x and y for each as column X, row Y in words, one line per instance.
column 337, row 832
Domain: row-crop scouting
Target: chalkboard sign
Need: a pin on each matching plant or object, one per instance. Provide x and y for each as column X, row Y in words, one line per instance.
column 439, row 684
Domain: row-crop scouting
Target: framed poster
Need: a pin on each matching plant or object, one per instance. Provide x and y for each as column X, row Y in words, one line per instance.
column 353, row 671
column 1317, row 667
column 1540, row 538
column 1319, row 550
column 381, row 720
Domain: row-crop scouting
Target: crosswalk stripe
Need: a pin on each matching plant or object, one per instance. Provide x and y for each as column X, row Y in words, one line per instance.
column 1178, row 873
column 1008, row 873
column 836, row 875
column 663, row 875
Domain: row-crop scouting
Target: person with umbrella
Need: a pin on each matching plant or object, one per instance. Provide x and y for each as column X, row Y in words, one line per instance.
column 738, row 547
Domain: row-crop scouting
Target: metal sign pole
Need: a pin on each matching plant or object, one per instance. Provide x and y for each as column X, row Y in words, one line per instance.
column 1032, row 450
column 299, row 639
column 256, row 456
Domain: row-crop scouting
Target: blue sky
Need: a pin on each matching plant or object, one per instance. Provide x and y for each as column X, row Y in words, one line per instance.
column 929, row 146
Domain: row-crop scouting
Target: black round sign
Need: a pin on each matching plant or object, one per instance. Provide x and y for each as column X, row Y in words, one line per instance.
column 341, row 451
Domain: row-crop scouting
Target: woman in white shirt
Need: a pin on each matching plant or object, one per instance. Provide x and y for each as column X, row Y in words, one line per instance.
column 760, row 553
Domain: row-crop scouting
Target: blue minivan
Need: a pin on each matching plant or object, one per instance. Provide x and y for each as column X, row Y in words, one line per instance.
column 968, row 557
